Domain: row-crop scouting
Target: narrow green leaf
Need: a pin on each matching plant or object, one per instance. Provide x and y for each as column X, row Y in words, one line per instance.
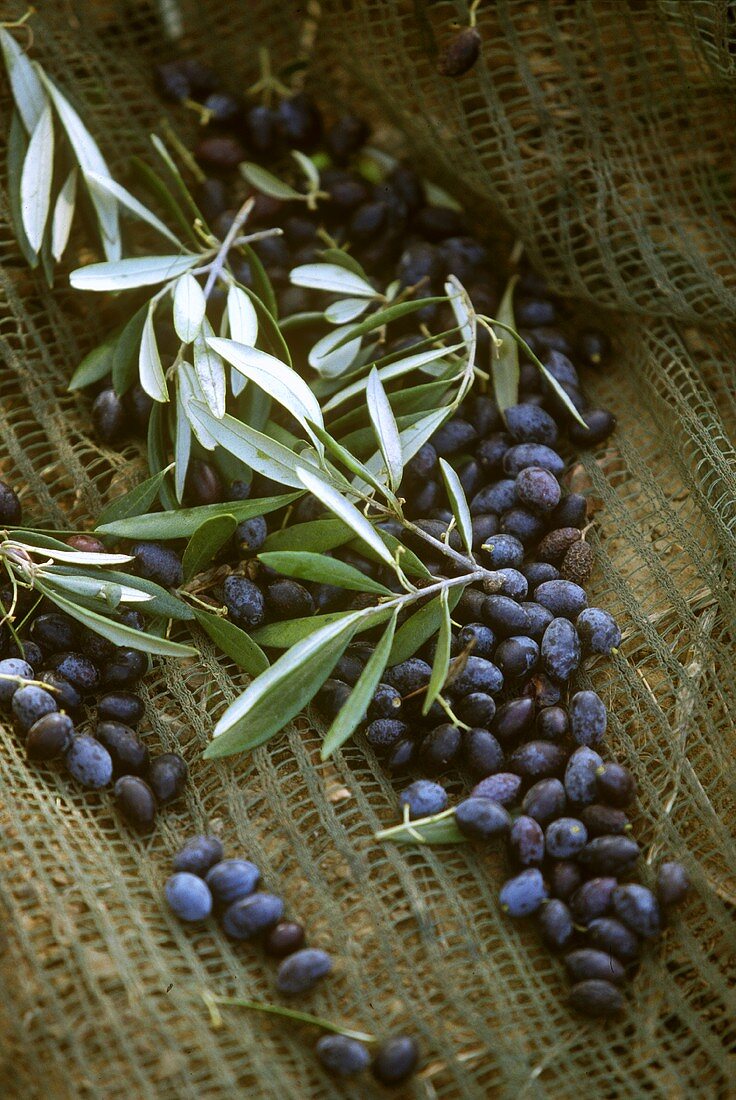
column 161, row 603
column 308, row 566
column 393, row 370
column 164, row 196
column 346, row 310
column 317, row 535
column 90, row 159
column 35, row 180
column 347, row 512
column 110, row 187
column 183, row 522
column 95, row 365
column 133, row 503
column 255, row 449
column 333, row 278
column 505, row 360
column 326, row 360
column 413, row 438
column 210, row 371
column 131, row 273
column 61, row 223
column 234, row 642
column 125, row 355
column 439, row 829
column 242, row 317
column 95, row 590
column 277, row 379
column 386, row 431
column 343, row 259
column 347, row 458
column 408, row 560
column 30, row 98
column 205, row 543
column 158, row 459
column 549, row 378
column 458, row 503
column 284, row 634
column 279, row 693
column 386, row 316
column 189, row 308
column 352, row 713
column 182, row 443
column 117, row 633
column 421, row 626
column 309, row 169
column 441, row 662
column 268, row 184
column 16, row 154
column 264, row 296
column 178, row 180
column 150, row 369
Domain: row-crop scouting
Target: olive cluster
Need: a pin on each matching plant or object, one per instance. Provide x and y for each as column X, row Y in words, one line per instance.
column 390, row 226
column 204, row 883
column 54, row 676
column 509, row 718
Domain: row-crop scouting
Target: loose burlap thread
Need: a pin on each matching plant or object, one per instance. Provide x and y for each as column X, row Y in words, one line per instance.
column 601, row 136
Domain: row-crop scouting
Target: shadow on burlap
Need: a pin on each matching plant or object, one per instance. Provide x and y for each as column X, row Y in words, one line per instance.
column 602, row 134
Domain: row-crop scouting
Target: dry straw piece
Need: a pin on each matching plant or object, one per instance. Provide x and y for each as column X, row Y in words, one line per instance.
column 601, row 134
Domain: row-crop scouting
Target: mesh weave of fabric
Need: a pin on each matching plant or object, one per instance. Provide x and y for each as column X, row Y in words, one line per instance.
column 601, row 135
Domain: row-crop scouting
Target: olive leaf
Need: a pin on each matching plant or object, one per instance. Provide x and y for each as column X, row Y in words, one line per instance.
column 150, row 370
column 117, row 633
column 204, row 544
column 343, row 258
column 90, row 160
column 282, row 635
column 279, row 693
column 95, row 365
column 421, row 626
column 352, row 713
column 347, row 309
column 268, row 184
column 189, row 307
column 392, row 370
column 347, row 512
column 234, row 642
column 126, row 353
column 182, row 442
column 441, row 662
column 347, row 458
column 387, row 315
column 441, row 828
column 135, row 502
column 308, row 566
column 458, row 503
column 181, row 523
column 210, row 370
column 332, row 278
column 277, row 379
column 35, row 180
column 131, row 273
column 28, row 93
column 160, row 601
column 330, row 362
column 16, row 154
column 505, row 354
column 61, row 222
column 386, row 431
column 316, row 535
column 105, row 185
column 255, row 449
column 242, row 317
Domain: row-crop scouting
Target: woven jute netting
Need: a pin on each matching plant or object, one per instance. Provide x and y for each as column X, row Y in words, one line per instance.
column 601, row 135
